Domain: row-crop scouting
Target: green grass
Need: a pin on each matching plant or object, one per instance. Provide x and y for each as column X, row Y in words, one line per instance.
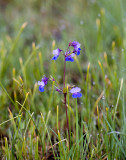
column 33, row 124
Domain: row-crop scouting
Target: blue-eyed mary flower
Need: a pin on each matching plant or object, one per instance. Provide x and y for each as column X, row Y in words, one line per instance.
column 76, row 92
column 56, row 53
column 76, row 46
column 70, row 57
column 42, row 83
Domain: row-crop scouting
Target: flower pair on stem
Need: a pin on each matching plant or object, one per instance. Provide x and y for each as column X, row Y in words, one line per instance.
column 68, row 56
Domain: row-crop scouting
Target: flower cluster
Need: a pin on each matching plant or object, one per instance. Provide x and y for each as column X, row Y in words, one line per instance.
column 68, row 54
column 68, row 57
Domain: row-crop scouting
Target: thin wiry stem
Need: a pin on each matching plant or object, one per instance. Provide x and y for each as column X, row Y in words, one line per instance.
column 64, row 72
column 65, row 93
column 67, row 118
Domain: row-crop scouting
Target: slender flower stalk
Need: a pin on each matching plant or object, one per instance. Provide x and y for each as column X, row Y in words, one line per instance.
column 68, row 56
column 65, row 93
column 64, row 73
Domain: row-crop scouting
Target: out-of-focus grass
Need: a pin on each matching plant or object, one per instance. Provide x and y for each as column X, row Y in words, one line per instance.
column 32, row 125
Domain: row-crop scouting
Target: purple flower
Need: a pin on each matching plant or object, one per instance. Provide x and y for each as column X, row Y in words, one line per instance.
column 45, row 80
column 56, row 53
column 76, row 92
column 70, row 57
column 76, row 46
column 42, row 84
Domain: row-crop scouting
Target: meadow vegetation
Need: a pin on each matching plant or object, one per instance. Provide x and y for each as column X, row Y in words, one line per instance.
column 33, row 124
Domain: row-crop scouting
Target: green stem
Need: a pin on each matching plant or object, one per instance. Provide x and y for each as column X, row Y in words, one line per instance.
column 77, row 125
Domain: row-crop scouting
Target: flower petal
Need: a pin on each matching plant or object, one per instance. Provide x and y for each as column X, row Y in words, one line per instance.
column 41, row 88
column 41, row 83
column 72, row 55
column 74, row 95
column 75, row 44
column 79, row 95
column 78, row 52
column 57, row 51
column 55, row 58
column 45, row 80
column 69, row 58
column 75, row 90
